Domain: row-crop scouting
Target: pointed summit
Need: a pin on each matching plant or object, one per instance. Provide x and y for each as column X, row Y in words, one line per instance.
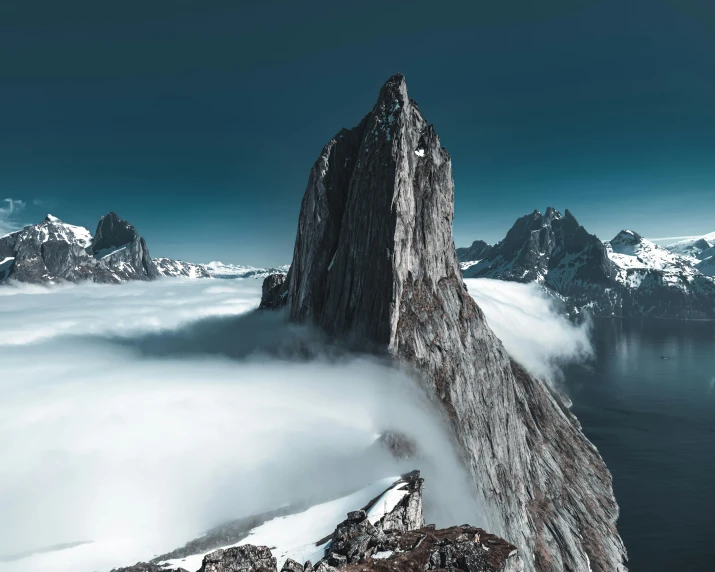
column 51, row 218
column 394, row 89
column 374, row 264
column 112, row 232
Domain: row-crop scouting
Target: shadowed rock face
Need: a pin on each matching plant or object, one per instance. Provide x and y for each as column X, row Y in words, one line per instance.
column 113, row 232
column 375, row 263
column 477, row 251
column 555, row 251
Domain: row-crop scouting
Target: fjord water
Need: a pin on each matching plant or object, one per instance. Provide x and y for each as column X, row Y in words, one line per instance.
column 647, row 401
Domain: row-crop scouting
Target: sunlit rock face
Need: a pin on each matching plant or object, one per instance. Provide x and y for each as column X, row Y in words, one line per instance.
column 375, row 264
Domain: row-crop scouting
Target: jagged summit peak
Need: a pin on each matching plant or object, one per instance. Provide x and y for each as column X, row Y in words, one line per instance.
column 112, row 231
column 551, row 212
column 627, row 236
column 112, row 216
column 394, row 88
column 51, row 218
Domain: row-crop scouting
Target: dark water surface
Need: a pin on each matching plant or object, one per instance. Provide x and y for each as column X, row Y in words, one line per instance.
column 653, row 420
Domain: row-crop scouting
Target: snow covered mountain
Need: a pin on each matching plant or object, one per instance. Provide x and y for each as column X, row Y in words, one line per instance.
column 627, row 276
column 179, row 268
column 699, row 250
column 54, row 251
column 217, row 269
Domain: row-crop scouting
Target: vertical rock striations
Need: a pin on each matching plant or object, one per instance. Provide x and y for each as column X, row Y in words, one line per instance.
column 374, row 262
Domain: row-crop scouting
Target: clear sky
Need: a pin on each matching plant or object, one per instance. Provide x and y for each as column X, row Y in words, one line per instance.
column 198, row 121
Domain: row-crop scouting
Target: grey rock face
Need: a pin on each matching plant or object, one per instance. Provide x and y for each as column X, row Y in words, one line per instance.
column 246, row 558
column 477, row 251
column 375, row 264
column 398, row 444
column 557, row 252
column 407, row 514
column 274, row 291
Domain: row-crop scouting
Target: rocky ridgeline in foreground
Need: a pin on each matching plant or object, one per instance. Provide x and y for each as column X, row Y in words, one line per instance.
column 374, row 264
column 399, row 540
column 56, row 251
column 627, row 276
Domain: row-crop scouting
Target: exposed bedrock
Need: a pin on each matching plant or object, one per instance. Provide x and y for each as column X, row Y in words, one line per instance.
column 374, row 263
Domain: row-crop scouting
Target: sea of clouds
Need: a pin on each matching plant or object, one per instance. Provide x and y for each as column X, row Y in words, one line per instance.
column 137, row 416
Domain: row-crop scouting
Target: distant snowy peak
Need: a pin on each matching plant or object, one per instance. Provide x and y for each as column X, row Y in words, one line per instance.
column 694, row 246
column 217, row 269
column 54, row 251
column 178, row 269
column 700, row 250
column 629, row 249
column 626, row 276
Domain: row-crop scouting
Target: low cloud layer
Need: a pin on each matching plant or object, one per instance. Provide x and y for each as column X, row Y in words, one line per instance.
column 147, row 412
column 531, row 326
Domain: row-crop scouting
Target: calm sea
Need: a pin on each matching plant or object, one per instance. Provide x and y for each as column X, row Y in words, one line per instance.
column 648, row 404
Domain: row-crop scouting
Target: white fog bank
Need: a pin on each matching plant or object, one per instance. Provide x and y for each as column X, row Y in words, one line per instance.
column 126, row 421
column 533, row 330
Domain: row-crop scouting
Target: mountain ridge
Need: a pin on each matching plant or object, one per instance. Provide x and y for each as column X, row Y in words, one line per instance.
column 54, row 251
column 626, row 276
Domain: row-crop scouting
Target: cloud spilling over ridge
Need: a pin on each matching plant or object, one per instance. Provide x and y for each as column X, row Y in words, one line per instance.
column 530, row 325
column 30, row 313
column 126, row 417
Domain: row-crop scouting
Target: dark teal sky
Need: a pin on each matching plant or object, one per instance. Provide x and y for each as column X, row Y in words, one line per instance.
column 199, row 121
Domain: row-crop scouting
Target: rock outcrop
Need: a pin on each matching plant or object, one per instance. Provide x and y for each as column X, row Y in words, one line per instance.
column 246, row 558
column 399, row 540
column 274, row 291
column 375, row 264
column 627, row 276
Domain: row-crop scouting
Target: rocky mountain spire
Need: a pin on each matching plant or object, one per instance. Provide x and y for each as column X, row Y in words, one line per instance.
column 375, row 263
column 112, row 232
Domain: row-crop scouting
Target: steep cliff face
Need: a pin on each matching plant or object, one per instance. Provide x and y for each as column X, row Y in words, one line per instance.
column 375, row 263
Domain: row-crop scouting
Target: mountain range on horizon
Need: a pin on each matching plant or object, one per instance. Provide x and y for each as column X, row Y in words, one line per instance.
column 626, row 276
column 54, row 251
